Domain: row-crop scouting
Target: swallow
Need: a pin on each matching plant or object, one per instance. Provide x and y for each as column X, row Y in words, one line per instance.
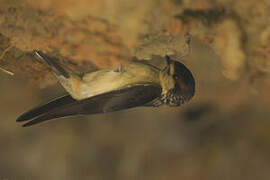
column 137, row 84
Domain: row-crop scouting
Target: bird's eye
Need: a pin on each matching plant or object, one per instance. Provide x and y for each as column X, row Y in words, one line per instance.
column 175, row 76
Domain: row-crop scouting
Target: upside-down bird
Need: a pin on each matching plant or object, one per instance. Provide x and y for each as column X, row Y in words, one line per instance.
column 102, row 91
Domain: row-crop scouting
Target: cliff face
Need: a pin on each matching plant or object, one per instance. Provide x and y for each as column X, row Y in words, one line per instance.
column 221, row 134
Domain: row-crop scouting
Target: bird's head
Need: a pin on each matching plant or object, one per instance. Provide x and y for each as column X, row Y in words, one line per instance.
column 177, row 82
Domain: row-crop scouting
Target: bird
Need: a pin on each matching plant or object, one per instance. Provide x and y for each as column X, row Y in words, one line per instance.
column 102, row 91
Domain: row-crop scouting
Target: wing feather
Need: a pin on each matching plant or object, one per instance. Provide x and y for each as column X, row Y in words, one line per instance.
column 130, row 97
column 46, row 107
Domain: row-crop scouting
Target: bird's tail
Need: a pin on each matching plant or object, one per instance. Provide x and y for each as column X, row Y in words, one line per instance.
column 58, row 69
column 69, row 79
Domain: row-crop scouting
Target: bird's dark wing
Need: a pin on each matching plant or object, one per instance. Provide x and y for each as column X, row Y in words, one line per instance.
column 108, row 102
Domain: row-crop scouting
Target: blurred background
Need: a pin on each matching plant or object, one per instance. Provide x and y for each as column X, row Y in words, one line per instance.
column 222, row 133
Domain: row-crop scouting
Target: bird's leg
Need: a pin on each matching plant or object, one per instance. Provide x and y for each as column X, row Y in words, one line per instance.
column 168, row 59
column 70, row 80
column 120, row 69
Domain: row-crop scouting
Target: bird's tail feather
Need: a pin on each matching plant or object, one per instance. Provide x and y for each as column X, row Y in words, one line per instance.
column 57, row 68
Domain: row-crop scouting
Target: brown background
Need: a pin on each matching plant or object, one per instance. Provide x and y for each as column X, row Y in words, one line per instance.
column 223, row 133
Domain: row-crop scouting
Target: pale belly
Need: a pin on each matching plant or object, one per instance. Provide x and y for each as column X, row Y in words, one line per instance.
column 103, row 81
